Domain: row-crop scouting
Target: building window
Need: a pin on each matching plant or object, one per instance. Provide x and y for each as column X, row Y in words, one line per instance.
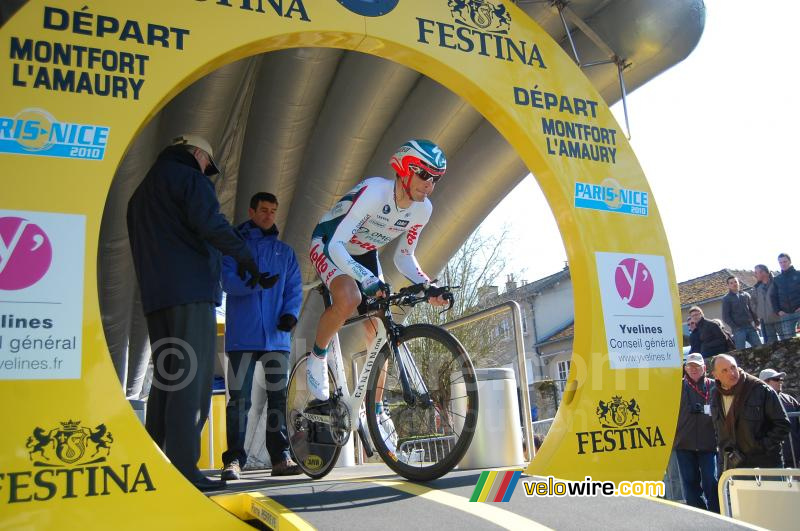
column 563, row 372
column 504, row 329
column 524, row 316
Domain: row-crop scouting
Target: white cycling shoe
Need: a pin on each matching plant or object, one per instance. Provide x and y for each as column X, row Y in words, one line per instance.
column 317, row 377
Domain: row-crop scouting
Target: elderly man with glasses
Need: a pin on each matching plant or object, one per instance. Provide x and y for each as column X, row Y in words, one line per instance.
column 791, row 447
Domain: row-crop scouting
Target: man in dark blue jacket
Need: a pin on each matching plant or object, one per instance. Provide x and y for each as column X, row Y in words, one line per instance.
column 177, row 235
column 738, row 314
column 257, row 329
column 786, row 296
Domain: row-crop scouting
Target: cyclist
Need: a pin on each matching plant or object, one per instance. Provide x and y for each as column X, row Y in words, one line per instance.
column 345, row 243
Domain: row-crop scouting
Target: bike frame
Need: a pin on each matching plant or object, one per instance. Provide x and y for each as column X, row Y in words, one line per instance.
column 385, row 330
column 336, row 364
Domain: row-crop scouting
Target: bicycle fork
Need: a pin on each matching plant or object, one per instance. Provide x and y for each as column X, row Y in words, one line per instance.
column 415, row 392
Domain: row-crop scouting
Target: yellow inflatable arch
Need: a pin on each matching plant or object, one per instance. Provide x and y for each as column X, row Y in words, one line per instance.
column 79, row 83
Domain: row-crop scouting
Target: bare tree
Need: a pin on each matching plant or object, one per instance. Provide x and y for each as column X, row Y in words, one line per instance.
column 474, row 267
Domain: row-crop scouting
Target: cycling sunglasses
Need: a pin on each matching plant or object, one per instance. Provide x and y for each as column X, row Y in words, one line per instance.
column 423, row 174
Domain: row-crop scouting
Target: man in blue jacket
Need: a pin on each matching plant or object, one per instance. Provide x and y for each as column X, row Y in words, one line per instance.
column 177, row 236
column 786, row 297
column 257, row 329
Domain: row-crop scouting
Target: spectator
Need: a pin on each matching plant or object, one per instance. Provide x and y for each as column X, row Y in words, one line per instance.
column 538, row 440
column 258, row 326
column 762, row 304
column 738, row 314
column 791, row 446
column 712, row 338
column 694, row 336
column 695, row 443
column 749, row 420
column 786, row 297
column 177, row 235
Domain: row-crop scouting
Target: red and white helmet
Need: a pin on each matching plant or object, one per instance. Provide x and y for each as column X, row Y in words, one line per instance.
column 418, row 157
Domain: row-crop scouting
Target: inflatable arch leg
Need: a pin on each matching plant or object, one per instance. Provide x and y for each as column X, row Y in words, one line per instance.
column 73, row 453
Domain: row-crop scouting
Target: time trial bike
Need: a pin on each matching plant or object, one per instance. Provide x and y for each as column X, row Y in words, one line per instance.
column 419, row 376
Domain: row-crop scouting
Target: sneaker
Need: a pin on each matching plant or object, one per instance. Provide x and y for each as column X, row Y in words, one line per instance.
column 232, row 471
column 286, row 468
column 317, row 377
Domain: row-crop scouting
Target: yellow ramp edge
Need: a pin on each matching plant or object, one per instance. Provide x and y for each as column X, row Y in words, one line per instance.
column 273, row 514
column 486, row 511
column 250, row 505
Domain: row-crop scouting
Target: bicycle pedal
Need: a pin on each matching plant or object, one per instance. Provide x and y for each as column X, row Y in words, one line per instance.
column 319, row 405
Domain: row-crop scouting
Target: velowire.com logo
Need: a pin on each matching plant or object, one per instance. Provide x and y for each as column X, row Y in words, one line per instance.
column 495, row 486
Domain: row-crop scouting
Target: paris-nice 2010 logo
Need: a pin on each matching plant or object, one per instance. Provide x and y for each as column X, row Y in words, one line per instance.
column 72, row 461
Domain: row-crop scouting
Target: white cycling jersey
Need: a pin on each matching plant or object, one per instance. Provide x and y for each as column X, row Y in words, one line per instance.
column 364, row 220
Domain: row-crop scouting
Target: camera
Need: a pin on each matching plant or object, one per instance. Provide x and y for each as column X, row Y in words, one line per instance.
column 697, row 408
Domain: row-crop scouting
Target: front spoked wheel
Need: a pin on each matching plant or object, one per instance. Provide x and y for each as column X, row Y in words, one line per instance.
column 316, row 430
column 429, row 421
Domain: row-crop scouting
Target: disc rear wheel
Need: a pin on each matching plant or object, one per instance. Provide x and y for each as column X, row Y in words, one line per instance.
column 314, row 445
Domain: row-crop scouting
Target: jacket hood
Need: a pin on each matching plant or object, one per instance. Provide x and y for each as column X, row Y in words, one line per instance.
column 250, row 230
column 179, row 155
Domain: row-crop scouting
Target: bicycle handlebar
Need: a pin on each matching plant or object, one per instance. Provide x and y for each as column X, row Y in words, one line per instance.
column 409, row 296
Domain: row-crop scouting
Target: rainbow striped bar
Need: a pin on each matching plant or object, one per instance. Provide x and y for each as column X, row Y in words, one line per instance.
column 494, row 486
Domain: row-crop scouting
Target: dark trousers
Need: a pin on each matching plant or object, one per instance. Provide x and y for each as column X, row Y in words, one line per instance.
column 183, row 342
column 699, row 478
column 241, row 369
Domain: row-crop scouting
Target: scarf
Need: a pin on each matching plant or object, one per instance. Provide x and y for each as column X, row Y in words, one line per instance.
column 739, row 391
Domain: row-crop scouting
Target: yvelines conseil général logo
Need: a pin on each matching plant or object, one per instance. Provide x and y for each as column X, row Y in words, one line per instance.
column 621, row 429
column 71, row 461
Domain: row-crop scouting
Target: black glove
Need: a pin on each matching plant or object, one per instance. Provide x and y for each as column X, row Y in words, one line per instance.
column 287, row 322
column 435, row 291
column 249, row 266
column 266, row 281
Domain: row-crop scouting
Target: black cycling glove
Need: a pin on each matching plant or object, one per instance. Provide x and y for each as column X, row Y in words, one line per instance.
column 267, row 281
column 249, row 266
column 287, row 322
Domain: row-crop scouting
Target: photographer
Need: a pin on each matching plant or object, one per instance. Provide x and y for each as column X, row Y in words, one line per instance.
column 748, row 418
column 695, row 442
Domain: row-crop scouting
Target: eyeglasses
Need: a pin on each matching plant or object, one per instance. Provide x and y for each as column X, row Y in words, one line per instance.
column 775, row 380
column 423, row 174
